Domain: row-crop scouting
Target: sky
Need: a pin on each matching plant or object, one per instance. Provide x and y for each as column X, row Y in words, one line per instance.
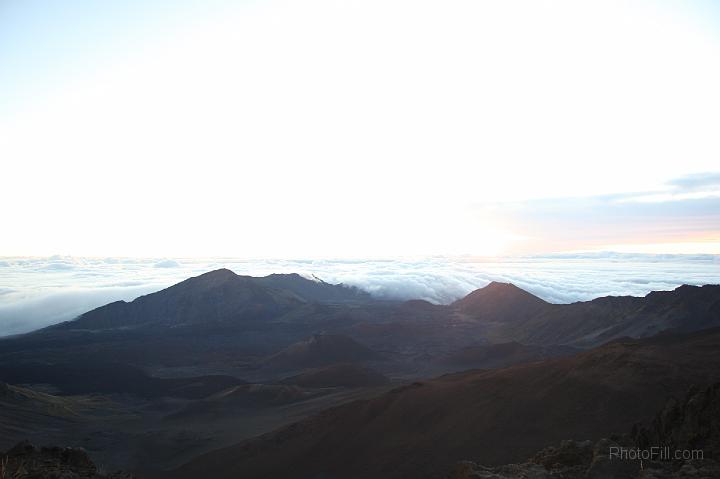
column 358, row 129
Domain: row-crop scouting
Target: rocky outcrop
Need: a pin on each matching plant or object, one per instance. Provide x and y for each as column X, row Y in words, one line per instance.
column 25, row 461
column 688, row 428
column 690, row 424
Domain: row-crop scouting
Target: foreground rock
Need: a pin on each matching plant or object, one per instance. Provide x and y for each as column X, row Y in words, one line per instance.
column 686, row 428
column 25, row 461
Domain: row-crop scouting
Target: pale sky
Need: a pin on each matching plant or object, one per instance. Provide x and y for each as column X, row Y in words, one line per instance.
column 367, row 128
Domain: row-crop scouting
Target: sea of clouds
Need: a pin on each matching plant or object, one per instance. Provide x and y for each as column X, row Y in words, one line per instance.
column 36, row 292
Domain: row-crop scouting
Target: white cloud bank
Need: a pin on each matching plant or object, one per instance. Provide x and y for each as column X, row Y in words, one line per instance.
column 36, row 292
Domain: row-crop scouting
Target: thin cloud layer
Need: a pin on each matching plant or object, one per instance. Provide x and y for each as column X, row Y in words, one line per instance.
column 168, row 263
column 698, row 182
column 35, row 292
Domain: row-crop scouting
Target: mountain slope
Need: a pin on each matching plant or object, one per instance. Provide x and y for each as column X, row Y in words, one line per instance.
column 506, row 313
column 72, row 378
column 222, row 323
column 500, row 301
column 314, row 290
column 495, row 416
column 246, row 396
column 39, row 403
column 692, row 424
column 217, row 296
column 685, row 309
column 320, row 350
column 338, row 375
column 504, row 354
column 27, row 413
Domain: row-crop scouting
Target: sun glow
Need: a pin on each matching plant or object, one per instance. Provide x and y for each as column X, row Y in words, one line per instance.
column 346, row 128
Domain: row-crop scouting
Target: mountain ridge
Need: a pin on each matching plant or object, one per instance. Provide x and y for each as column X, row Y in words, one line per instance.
column 301, row 346
column 216, row 296
column 523, row 317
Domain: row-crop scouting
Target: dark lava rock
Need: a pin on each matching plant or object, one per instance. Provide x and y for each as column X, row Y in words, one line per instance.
column 25, row 461
column 691, row 426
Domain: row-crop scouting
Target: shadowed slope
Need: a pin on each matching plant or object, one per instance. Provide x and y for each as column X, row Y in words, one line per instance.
column 507, row 313
column 114, row 378
column 320, row 350
column 217, row 296
column 500, row 301
column 495, row 416
column 692, row 424
column 685, row 309
column 314, row 290
column 504, row 354
column 338, row 375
